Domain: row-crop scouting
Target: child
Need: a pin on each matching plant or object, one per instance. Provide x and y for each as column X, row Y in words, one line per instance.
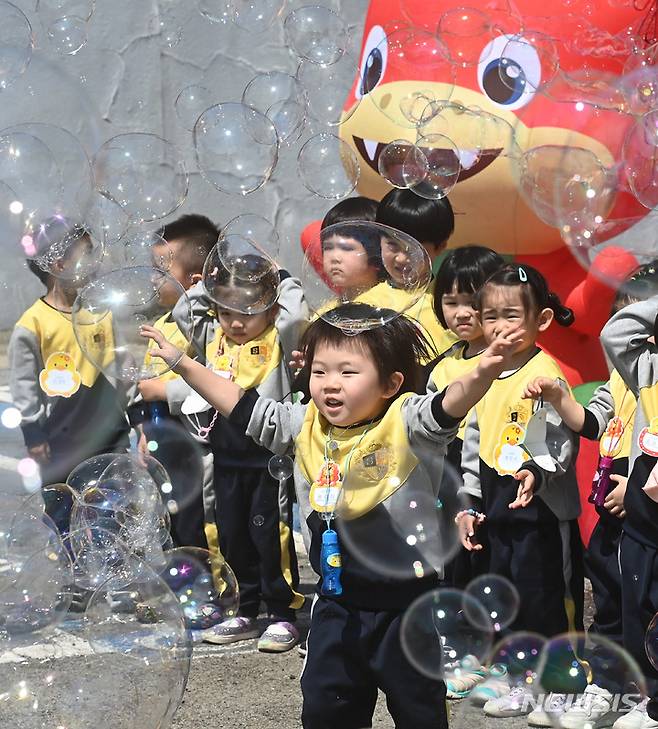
column 530, row 524
column 184, row 453
column 351, row 259
column 56, row 411
column 352, row 208
column 629, row 340
column 253, row 513
column 362, row 390
column 431, row 222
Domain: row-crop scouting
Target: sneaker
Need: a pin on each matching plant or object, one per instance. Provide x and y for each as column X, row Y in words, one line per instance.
column 556, row 705
column 231, row 631
column 591, row 709
column 518, row 702
column 496, row 685
column 279, row 637
column 464, row 678
column 636, row 718
column 301, row 649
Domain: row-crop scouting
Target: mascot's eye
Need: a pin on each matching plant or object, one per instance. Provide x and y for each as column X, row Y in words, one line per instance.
column 509, row 71
column 373, row 61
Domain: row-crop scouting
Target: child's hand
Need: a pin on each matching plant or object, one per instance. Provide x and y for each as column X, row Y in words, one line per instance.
column 497, row 357
column 165, row 349
column 526, row 490
column 468, row 525
column 152, row 390
column 543, row 387
column 297, row 362
column 40, row 453
column 614, row 501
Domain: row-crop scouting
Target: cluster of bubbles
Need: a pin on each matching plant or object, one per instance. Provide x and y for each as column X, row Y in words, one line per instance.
column 95, row 605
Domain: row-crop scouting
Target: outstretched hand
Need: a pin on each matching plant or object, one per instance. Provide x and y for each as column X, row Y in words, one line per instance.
column 164, row 350
column 297, row 361
column 526, row 490
column 497, row 357
column 543, row 388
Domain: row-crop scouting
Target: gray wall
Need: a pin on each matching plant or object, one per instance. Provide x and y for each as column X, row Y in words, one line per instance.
column 125, row 80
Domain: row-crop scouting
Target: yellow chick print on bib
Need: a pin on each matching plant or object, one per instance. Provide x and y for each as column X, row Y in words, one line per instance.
column 60, row 377
column 509, row 456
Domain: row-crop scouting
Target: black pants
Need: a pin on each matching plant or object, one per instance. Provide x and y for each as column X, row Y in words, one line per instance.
column 602, row 569
column 544, row 561
column 351, row 654
column 639, row 585
column 255, row 537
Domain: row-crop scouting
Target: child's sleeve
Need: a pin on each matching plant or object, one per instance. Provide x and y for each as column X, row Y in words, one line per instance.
column 470, row 463
column 25, row 364
column 270, row 423
column 598, row 413
column 427, row 422
column 177, row 391
column 293, row 314
column 625, row 337
column 203, row 325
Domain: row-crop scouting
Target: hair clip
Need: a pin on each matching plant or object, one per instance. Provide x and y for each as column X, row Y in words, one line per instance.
column 523, row 276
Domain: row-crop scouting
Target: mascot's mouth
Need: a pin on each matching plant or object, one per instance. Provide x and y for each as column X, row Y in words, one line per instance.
column 470, row 163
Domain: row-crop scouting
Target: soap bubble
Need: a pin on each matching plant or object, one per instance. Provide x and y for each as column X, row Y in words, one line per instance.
column 316, row 33
column 67, row 35
column 89, row 471
column 204, row 584
column 325, row 88
column 240, row 276
column 16, row 43
column 421, row 523
column 105, row 220
column 52, row 9
column 443, row 166
column 639, row 154
column 143, row 173
column 256, row 15
column 98, row 554
column 108, row 315
column 328, row 166
column 445, row 631
column 498, row 596
column 216, row 11
column 254, row 228
column 355, row 257
column 402, row 163
column 237, row 148
column 280, row 467
column 281, row 98
column 464, row 32
column 145, row 248
column 190, row 103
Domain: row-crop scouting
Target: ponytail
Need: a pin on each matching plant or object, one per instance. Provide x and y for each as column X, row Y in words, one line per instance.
column 561, row 313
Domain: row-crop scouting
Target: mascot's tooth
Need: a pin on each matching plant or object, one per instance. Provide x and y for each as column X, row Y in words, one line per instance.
column 371, row 148
column 467, row 158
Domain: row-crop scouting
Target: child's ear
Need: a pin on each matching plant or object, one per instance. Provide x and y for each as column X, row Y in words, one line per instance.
column 273, row 312
column 394, row 384
column 544, row 320
column 195, row 277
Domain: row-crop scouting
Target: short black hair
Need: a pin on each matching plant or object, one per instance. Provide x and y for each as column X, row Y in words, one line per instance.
column 428, row 221
column 397, row 345
column 535, row 293
column 468, row 267
column 43, row 276
column 352, row 208
column 197, row 235
column 369, row 236
column 641, row 285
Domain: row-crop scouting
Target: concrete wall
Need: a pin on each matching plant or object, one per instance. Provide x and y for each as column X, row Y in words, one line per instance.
column 126, row 80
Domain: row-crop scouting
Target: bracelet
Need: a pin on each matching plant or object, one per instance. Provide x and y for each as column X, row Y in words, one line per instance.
column 469, row 512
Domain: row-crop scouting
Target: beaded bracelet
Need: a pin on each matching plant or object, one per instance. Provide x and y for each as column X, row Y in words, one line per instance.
column 469, row 512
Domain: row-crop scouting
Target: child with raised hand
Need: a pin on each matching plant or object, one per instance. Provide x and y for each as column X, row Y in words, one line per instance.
column 253, row 511
column 526, row 497
column 362, row 390
column 629, row 340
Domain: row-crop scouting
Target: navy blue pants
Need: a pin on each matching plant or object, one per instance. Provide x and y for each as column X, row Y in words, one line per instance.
column 602, row 569
column 351, row 654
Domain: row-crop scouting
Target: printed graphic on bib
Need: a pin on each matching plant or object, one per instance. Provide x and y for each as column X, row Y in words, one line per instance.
column 60, row 378
column 326, row 488
column 258, row 354
column 611, row 441
column 224, row 366
column 374, row 463
column 509, row 455
column 648, row 439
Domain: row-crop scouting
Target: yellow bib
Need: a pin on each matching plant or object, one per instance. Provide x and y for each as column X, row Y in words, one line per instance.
column 170, row 329
column 648, row 437
column 373, row 461
column 617, row 440
column 246, row 364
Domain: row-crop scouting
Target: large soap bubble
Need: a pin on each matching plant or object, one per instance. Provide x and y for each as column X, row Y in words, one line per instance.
column 16, row 43
column 237, row 147
column 325, row 87
column 108, row 315
column 443, row 630
column 143, row 173
column 498, row 596
column 68, row 35
column 204, row 585
column 257, row 229
column 281, row 98
column 316, row 33
column 328, row 166
column 364, row 263
column 239, row 276
column 190, row 103
column 256, row 15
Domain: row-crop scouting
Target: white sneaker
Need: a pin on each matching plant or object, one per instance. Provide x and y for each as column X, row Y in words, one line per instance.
column 634, row 718
column 518, row 702
column 591, row 710
column 496, row 685
column 556, row 705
